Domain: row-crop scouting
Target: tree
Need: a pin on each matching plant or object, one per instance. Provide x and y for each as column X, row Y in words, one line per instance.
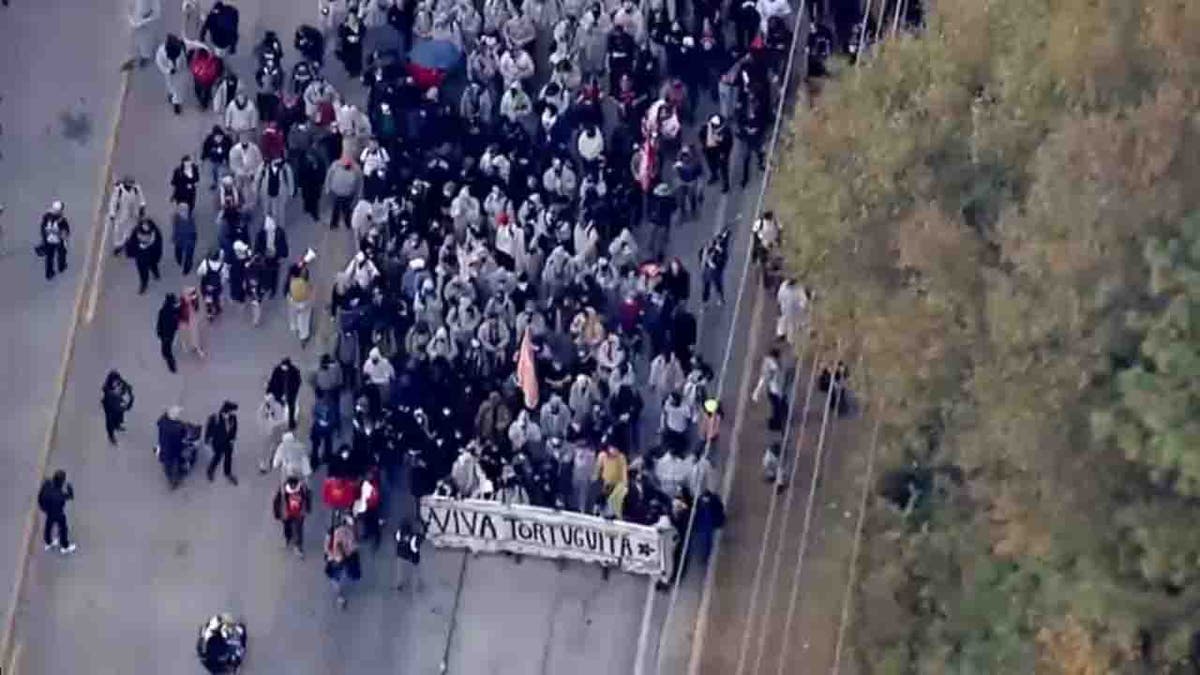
column 1003, row 211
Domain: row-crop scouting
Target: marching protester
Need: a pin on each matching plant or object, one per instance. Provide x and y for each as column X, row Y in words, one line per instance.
column 220, row 432
column 126, row 205
column 116, row 399
column 408, row 556
column 55, row 230
column 284, row 386
column 342, row 562
column 291, row 505
column 167, row 327
column 145, row 246
column 52, row 500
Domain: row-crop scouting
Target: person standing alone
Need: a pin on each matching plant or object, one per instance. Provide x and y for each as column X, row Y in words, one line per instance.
column 52, row 500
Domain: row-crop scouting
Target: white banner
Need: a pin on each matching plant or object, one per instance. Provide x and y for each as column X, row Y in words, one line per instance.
column 481, row 525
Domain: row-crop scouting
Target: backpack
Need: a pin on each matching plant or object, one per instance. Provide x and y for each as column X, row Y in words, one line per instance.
column 206, row 67
column 44, row 495
column 293, row 505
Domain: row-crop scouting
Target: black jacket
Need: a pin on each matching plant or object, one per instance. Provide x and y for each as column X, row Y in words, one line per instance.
column 284, row 383
column 221, row 26
column 216, row 148
column 153, row 251
column 281, row 245
column 217, row 433
column 52, row 499
column 168, row 322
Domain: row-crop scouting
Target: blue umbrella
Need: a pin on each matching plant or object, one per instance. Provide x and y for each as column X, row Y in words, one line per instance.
column 438, row 54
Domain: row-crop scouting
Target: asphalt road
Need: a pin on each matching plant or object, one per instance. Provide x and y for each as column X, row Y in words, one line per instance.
column 152, row 564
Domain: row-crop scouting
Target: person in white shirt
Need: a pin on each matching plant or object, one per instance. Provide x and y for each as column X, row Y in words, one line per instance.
column 771, row 381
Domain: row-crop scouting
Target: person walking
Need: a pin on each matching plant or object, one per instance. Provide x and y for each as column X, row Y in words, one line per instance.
column 713, row 257
column 271, row 245
column 171, row 59
column 342, row 564
column 245, row 160
column 342, row 183
column 284, row 385
column 145, row 246
column 184, row 179
column 183, row 237
column 55, row 231
column 716, row 141
column 275, row 185
column 408, row 555
column 299, row 297
column 52, row 500
column 167, row 327
column 116, row 398
column 221, row 28
column 292, row 503
column 771, row 380
column 144, row 16
column 271, row 420
column 291, row 458
column 215, row 151
column 220, row 432
column 126, row 204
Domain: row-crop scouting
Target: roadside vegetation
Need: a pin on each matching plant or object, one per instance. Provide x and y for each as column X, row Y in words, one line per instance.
column 1003, row 213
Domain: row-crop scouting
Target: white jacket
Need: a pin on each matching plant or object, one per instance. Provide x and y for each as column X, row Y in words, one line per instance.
column 240, row 119
column 245, row 160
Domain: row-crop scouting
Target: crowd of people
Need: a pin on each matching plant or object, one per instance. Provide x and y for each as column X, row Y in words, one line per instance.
column 509, row 326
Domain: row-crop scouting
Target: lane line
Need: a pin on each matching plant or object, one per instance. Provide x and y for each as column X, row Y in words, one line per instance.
column 94, row 252
column 105, row 180
column 768, row 164
column 802, row 545
column 752, row 614
column 701, row 627
column 854, row 550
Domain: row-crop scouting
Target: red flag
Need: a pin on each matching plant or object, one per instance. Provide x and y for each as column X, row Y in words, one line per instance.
column 527, row 372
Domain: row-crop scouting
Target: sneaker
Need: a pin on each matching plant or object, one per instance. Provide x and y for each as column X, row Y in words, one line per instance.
column 50, row 547
column 232, row 478
column 68, row 549
column 341, row 602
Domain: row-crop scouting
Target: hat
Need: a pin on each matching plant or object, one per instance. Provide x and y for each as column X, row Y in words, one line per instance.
column 716, row 120
column 174, row 412
column 56, row 207
column 710, row 406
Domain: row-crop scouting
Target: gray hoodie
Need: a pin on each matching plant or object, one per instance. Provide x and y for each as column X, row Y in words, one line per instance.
column 291, row 458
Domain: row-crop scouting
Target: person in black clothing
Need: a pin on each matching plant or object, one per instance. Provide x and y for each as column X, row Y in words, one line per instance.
column 408, row 554
column 220, row 431
column 752, row 129
column 55, row 231
column 311, row 44
column 145, row 246
column 184, row 180
column 166, row 328
column 52, row 500
column 350, row 44
column 216, row 152
column 116, row 398
column 717, row 143
column 621, row 49
column 284, row 385
column 310, row 174
column 221, row 28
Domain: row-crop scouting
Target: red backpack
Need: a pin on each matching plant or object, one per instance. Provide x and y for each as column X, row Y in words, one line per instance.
column 293, row 505
column 206, row 67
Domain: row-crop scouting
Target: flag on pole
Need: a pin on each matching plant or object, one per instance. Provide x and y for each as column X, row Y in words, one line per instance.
column 526, row 371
